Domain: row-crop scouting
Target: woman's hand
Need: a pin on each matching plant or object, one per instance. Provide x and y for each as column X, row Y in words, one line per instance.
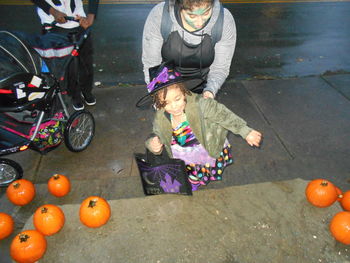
column 254, row 138
column 155, row 145
column 207, row 94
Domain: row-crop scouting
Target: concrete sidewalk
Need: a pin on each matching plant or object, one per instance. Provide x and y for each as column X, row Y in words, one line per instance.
column 258, row 213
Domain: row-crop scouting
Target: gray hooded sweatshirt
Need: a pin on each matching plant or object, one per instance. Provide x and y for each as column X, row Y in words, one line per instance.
column 152, row 43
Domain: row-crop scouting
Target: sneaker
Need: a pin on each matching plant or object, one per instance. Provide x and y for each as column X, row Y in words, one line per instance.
column 89, row 99
column 78, row 105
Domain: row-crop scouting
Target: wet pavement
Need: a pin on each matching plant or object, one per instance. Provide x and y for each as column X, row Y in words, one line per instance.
column 258, row 213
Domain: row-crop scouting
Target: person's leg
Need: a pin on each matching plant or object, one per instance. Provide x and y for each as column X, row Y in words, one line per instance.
column 73, row 87
column 86, row 71
column 70, row 82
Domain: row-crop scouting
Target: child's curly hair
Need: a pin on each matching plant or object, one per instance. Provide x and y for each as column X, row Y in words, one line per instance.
column 159, row 96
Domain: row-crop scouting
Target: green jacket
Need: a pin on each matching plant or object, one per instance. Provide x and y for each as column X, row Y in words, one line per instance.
column 209, row 120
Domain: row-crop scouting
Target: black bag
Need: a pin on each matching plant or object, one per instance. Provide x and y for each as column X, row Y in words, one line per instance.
column 162, row 175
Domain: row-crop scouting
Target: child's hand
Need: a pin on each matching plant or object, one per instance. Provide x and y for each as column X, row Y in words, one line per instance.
column 254, row 138
column 155, row 145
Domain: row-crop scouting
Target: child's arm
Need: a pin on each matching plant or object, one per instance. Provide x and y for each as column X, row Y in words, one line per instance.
column 218, row 113
column 254, row 138
column 153, row 142
column 224, row 117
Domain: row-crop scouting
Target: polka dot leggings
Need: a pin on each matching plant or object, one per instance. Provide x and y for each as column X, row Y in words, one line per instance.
column 202, row 174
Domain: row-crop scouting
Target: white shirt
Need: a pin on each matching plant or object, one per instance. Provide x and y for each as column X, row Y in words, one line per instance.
column 64, row 8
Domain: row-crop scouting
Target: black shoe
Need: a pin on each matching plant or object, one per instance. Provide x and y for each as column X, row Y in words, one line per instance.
column 89, row 99
column 78, row 105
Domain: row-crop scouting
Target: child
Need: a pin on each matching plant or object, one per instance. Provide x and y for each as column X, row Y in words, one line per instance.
column 193, row 129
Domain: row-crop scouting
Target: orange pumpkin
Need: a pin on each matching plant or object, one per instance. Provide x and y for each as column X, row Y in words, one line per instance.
column 94, row 211
column 345, row 201
column 59, row 185
column 28, row 246
column 321, row 193
column 340, row 227
column 339, row 193
column 48, row 219
column 20, row 192
column 6, row 225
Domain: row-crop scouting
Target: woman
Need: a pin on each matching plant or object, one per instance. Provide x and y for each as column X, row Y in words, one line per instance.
column 191, row 44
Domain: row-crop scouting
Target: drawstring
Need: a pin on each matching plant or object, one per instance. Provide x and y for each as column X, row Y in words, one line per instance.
column 200, row 59
column 183, row 37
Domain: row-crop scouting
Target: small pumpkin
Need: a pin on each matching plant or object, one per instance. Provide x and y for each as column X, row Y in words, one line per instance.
column 339, row 193
column 94, row 211
column 48, row 219
column 20, row 192
column 58, row 185
column 321, row 193
column 6, row 225
column 28, row 246
column 340, row 227
column 345, row 201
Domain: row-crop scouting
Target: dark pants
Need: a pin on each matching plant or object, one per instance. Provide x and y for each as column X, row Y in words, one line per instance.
column 80, row 73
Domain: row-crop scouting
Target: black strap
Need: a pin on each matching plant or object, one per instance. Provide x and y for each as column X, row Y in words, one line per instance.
column 166, row 24
column 216, row 31
column 57, row 2
column 72, row 5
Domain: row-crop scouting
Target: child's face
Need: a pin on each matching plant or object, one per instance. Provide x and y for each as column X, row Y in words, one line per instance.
column 175, row 101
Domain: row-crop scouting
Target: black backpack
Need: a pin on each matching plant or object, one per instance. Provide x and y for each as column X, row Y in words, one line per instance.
column 166, row 24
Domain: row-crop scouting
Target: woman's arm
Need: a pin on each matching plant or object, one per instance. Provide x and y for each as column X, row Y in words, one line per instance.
column 152, row 40
column 224, row 50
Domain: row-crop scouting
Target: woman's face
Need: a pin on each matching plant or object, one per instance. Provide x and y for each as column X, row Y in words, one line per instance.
column 175, row 101
column 197, row 16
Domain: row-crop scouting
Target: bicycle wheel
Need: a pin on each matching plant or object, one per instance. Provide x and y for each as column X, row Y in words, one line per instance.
column 79, row 131
column 9, row 171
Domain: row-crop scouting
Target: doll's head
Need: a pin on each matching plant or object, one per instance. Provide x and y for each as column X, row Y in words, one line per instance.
column 172, row 98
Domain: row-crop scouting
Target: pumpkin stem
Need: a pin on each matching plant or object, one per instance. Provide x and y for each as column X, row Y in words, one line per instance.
column 56, row 176
column 324, row 183
column 16, row 185
column 92, row 203
column 340, row 196
column 23, row 237
column 44, row 210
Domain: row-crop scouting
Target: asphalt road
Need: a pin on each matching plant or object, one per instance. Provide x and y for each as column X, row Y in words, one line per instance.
column 274, row 40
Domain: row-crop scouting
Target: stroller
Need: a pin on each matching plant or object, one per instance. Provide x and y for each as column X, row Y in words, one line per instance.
column 33, row 111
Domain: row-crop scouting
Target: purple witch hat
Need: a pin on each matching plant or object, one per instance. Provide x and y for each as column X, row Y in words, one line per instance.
column 162, row 76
